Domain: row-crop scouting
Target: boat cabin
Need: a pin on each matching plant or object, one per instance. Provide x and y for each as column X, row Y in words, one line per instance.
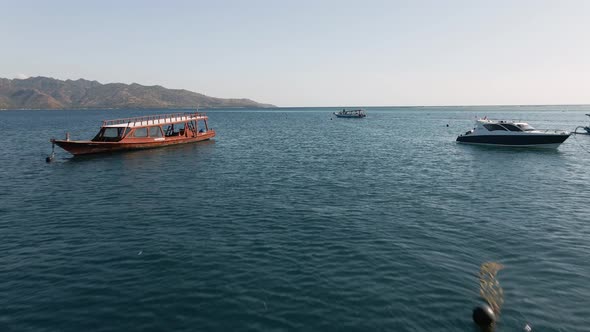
column 157, row 127
column 504, row 126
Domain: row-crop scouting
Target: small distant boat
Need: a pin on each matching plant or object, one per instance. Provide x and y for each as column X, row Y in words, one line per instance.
column 359, row 113
column 142, row 133
column 512, row 133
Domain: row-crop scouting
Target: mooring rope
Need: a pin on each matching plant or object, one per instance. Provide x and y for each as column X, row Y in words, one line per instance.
column 579, row 143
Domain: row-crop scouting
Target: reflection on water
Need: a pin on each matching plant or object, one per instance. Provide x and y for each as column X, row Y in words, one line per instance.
column 510, row 149
column 489, row 287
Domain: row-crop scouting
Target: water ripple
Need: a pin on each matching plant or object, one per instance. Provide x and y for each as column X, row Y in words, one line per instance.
column 378, row 225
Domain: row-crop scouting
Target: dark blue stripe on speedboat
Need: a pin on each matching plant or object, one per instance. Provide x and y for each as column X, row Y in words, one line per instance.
column 513, row 139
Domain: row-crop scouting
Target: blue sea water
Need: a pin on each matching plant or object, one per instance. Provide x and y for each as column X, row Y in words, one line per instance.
column 291, row 220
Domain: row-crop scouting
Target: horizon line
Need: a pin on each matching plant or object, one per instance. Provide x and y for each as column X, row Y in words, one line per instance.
column 452, row 105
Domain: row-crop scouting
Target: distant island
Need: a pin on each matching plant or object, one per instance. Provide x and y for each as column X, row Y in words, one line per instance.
column 50, row 93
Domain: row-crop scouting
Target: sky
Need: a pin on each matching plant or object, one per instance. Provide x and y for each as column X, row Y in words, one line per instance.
column 312, row 53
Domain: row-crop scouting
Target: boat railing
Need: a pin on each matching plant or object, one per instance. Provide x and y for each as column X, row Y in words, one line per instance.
column 161, row 118
column 552, row 131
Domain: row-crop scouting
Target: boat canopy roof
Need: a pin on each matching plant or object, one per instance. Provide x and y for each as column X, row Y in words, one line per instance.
column 514, row 122
column 153, row 120
column 508, row 125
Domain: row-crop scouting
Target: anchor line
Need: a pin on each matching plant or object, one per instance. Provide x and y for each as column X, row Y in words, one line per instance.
column 580, row 144
column 575, row 132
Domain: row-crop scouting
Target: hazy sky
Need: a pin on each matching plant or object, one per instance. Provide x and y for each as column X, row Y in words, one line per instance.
column 312, row 53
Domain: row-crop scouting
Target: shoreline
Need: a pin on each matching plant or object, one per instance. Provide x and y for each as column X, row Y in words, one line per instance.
column 285, row 107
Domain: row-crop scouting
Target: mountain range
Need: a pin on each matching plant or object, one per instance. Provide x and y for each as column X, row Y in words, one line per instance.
column 50, row 93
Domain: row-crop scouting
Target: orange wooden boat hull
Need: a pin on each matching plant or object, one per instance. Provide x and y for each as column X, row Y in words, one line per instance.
column 90, row 147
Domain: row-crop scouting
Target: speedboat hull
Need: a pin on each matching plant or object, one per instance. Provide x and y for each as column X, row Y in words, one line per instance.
column 525, row 140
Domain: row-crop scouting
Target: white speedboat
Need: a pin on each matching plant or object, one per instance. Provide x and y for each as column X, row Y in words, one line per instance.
column 512, row 133
column 351, row 113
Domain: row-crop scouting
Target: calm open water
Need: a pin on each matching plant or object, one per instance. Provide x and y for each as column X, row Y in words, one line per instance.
column 291, row 221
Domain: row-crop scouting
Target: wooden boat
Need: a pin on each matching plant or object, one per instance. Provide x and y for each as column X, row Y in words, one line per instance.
column 142, row 133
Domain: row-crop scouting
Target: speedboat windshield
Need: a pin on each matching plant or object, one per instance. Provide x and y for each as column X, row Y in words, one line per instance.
column 525, row 126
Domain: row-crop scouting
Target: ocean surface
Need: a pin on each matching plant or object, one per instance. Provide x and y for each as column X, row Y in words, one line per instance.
column 292, row 220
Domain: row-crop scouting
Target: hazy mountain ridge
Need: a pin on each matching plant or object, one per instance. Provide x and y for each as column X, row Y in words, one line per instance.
column 50, row 93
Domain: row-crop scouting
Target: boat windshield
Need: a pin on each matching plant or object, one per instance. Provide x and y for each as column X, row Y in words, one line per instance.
column 111, row 134
column 525, row 126
column 494, row 127
column 511, row 127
